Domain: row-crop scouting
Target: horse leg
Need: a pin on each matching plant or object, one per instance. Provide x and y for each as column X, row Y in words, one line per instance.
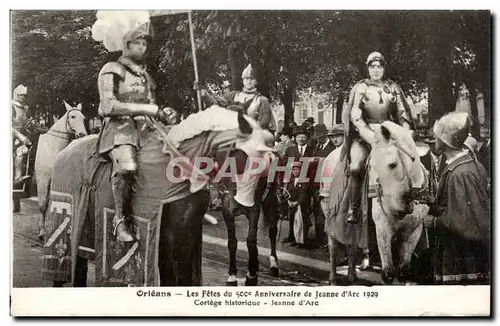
column 384, row 233
column 180, row 237
column 273, row 259
column 270, row 214
column 43, row 190
column 411, row 236
column 351, row 260
column 81, row 271
column 252, row 214
column 232, row 245
column 333, row 247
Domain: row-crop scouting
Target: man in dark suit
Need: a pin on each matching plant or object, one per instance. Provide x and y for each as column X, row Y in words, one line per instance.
column 300, row 149
column 322, row 149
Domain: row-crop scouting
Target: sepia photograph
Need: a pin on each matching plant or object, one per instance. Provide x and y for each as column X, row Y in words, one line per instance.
column 251, row 162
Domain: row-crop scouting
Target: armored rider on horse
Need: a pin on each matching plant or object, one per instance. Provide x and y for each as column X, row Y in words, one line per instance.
column 127, row 96
column 372, row 101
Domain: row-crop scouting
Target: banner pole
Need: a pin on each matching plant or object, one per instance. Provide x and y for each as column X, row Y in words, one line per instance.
column 195, row 63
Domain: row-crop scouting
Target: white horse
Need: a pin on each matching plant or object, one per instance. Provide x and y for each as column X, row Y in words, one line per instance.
column 397, row 178
column 69, row 127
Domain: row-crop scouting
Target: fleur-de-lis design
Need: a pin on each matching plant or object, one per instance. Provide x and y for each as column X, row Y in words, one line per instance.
column 61, row 248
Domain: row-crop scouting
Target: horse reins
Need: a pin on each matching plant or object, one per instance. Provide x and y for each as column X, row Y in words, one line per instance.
column 69, row 131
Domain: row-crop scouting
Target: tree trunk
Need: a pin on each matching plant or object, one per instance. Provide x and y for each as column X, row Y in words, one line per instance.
column 339, row 105
column 287, row 100
column 471, row 86
column 483, row 52
column 439, row 81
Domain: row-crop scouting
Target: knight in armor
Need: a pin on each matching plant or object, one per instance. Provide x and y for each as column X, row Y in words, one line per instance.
column 372, row 101
column 127, row 95
column 249, row 101
column 21, row 141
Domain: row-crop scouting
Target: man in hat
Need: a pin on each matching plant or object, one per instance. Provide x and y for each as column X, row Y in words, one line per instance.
column 434, row 163
column 461, row 215
column 127, row 94
column 336, row 135
column 251, row 102
column 301, row 149
column 322, row 149
column 372, row 101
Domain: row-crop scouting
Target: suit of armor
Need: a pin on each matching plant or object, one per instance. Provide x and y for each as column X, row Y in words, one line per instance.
column 21, row 141
column 252, row 103
column 127, row 95
column 373, row 102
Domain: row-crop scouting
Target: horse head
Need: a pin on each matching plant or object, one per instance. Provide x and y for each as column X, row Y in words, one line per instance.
column 75, row 120
column 396, row 165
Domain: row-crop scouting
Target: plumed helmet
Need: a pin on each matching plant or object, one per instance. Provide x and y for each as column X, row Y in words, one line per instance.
column 375, row 56
column 249, row 72
column 19, row 96
column 116, row 28
column 143, row 31
column 453, row 129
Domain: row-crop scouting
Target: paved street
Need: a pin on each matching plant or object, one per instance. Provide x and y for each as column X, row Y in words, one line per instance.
column 297, row 266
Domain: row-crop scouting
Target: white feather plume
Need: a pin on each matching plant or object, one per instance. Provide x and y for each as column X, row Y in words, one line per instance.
column 111, row 26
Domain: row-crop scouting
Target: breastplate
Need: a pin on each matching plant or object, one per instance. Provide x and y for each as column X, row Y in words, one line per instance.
column 376, row 103
column 133, row 89
column 20, row 119
column 250, row 101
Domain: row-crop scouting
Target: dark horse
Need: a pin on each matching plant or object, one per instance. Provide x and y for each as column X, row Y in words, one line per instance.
column 264, row 200
column 167, row 216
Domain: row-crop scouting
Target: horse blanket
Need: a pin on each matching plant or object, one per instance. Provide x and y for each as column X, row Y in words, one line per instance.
column 81, row 210
column 336, row 170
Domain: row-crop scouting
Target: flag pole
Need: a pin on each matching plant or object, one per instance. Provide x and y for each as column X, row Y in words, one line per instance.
column 195, row 63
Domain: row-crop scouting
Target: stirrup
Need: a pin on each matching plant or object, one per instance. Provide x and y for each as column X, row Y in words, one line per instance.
column 115, row 228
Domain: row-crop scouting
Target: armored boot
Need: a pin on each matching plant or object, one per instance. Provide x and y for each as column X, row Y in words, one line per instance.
column 355, row 197
column 121, row 191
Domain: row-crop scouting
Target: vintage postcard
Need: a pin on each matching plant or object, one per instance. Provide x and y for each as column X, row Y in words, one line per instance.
column 251, row 163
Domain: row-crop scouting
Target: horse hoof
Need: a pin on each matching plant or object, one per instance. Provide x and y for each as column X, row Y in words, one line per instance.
column 232, row 283
column 251, row 281
column 389, row 275
column 58, row 284
column 275, row 272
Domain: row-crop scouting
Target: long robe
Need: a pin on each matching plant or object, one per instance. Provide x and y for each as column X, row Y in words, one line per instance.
column 462, row 224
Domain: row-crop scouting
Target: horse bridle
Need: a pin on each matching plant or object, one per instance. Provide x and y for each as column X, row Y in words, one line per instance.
column 69, row 131
column 414, row 193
